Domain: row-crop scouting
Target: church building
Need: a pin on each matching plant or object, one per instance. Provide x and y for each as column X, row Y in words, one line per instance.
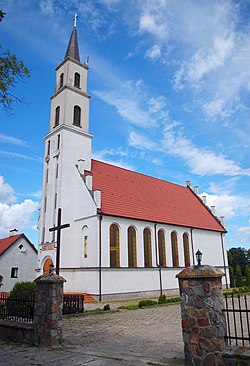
column 129, row 233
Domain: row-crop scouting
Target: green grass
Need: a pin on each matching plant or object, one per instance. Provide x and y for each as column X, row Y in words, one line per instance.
column 129, row 307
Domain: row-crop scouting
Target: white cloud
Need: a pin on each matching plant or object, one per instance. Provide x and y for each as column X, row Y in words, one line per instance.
column 243, row 234
column 12, row 140
column 133, row 105
column 201, row 161
column 11, row 154
column 207, row 60
column 14, row 215
column 6, row 192
column 228, row 205
column 138, row 141
column 154, row 52
column 18, row 215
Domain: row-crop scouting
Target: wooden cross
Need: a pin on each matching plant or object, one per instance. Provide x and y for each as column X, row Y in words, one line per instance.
column 58, row 228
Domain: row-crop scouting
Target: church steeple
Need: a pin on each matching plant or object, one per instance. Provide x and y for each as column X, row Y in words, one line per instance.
column 73, row 50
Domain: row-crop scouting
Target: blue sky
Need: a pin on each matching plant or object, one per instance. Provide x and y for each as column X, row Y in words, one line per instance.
column 170, row 87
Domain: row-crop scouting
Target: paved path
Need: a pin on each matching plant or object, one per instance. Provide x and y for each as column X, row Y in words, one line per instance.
column 146, row 336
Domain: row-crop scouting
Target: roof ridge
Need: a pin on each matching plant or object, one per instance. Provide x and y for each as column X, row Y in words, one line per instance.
column 142, row 174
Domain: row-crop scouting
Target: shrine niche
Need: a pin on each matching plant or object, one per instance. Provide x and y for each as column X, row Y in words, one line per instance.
column 46, row 266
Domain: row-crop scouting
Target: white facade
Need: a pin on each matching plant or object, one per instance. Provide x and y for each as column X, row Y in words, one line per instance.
column 17, row 264
column 85, row 246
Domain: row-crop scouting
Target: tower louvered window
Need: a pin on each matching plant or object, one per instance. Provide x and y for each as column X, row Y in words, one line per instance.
column 186, row 250
column 77, row 80
column 174, row 245
column 77, row 116
column 57, row 116
column 114, row 246
column 132, row 260
column 61, row 80
column 161, row 248
column 147, row 248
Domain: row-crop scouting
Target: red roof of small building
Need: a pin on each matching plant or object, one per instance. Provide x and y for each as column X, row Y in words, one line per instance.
column 5, row 243
column 129, row 194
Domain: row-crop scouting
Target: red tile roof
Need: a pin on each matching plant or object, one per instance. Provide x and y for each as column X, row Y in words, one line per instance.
column 133, row 195
column 7, row 242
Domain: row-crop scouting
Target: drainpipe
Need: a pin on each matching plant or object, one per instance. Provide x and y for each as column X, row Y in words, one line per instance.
column 224, row 261
column 100, row 258
column 158, row 263
column 192, row 244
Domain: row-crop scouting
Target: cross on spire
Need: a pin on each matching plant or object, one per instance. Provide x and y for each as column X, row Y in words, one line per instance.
column 58, row 229
column 75, row 17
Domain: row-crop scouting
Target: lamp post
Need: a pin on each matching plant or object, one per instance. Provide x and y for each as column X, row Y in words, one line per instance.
column 198, row 255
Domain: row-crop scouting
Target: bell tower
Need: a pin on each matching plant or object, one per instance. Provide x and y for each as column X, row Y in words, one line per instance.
column 67, row 145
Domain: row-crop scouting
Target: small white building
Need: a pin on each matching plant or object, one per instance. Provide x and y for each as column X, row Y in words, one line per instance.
column 18, row 260
column 129, row 233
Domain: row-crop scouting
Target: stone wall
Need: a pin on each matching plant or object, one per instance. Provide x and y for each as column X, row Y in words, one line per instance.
column 47, row 327
column 203, row 322
column 15, row 331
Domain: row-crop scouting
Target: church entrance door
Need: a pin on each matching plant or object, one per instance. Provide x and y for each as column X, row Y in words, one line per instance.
column 46, row 266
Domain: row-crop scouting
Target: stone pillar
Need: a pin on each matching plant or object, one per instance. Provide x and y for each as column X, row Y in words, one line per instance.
column 203, row 322
column 48, row 310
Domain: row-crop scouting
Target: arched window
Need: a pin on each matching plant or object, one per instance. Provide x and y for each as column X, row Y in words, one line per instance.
column 132, row 260
column 1, row 281
column 85, row 239
column 77, row 80
column 174, row 244
column 77, row 116
column 114, row 246
column 57, row 116
column 61, row 80
column 161, row 248
column 147, row 248
column 186, row 250
column 46, row 266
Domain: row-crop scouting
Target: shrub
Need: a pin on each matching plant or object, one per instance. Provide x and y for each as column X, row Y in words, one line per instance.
column 162, row 299
column 106, row 307
column 174, row 299
column 23, row 289
column 143, row 303
column 21, row 300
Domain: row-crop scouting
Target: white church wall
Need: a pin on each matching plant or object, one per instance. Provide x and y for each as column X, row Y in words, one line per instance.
column 81, row 280
column 209, row 243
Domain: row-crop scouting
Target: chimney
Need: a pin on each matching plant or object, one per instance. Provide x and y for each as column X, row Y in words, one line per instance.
column 213, row 210
column 204, row 199
column 80, row 166
column 222, row 220
column 89, row 180
column 196, row 190
column 13, row 232
column 188, row 183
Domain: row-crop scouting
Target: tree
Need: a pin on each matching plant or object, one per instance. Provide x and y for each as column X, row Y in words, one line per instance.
column 247, row 276
column 231, row 274
column 12, row 70
column 238, row 276
column 238, row 256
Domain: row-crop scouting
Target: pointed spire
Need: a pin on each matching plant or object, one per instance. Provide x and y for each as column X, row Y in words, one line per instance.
column 73, row 50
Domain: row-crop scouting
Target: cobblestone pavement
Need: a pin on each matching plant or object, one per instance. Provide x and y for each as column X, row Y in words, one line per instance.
column 146, row 336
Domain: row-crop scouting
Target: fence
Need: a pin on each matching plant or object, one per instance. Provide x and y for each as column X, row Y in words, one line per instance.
column 237, row 319
column 19, row 308
column 73, row 304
